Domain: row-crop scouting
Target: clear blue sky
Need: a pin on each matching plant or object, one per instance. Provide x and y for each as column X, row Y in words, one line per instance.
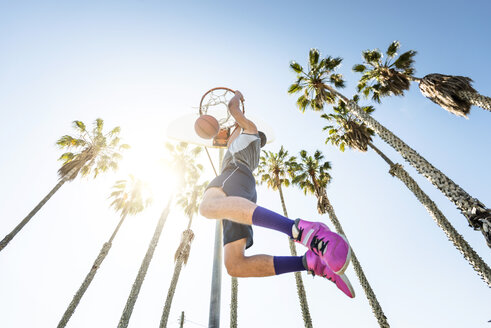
column 141, row 64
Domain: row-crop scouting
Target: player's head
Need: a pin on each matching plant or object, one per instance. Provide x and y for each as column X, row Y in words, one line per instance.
column 263, row 138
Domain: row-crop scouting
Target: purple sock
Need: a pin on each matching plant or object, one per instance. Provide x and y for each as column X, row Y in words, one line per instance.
column 285, row 264
column 268, row 219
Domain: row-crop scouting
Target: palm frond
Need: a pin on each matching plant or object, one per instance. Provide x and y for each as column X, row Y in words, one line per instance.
column 372, row 57
column 392, row 50
column 405, row 60
column 115, row 131
column 66, row 157
column 314, row 57
column 359, row 68
column 69, row 141
column 303, row 103
column 294, row 88
column 337, row 80
column 98, row 126
column 80, row 126
column 296, row 67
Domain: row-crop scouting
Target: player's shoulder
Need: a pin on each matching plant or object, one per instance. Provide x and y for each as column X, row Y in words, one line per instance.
column 243, row 140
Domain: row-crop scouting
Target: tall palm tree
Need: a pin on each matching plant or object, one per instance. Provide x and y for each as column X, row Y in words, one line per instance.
column 189, row 201
column 393, row 76
column 182, row 159
column 129, row 198
column 347, row 129
column 477, row 214
column 137, row 284
column 274, row 170
column 178, row 157
column 312, row 83
column 90, row 151
column 312, row 176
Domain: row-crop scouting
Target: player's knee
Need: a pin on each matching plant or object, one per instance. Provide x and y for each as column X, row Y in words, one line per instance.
column 206, row 208
column 233, row 266
column 211, row 204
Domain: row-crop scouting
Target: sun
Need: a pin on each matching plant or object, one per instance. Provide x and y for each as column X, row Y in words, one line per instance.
column 146, row 161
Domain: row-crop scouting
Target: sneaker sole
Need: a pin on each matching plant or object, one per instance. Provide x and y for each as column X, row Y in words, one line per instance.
column 348, row 283
column 348, row 258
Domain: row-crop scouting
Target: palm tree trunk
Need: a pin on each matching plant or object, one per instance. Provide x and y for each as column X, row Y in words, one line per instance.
column 459, row 242
column 324, row 206
column 302, row 296
column 414, row 79
column 181, row 322
column 216, row 274
column 29, row 216
column 381, row 154
column 170, row 294
column 478, row 216
column 90, row 276
column 135, row 290
column 476, row 99
column 233, row 302
column 470, row 255
column 187, row 239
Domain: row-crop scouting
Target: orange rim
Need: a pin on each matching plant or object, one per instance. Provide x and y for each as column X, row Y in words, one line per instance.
column 211, row 90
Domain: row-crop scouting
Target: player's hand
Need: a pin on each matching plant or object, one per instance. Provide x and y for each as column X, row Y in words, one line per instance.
column 239, row 95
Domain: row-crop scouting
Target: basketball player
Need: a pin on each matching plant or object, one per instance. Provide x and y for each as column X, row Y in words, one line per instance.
column 232, row 196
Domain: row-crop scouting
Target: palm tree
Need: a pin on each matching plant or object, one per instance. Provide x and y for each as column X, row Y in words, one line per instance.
column 315, row 94
column 392, row 77
column 179, row 157
column 312, row 177
column 348, row 130
column 274, row 169
column 477, row 214
column 189, row 200
column 94, row 152
column 182, row 160
column 129, row 199
column 135, row 289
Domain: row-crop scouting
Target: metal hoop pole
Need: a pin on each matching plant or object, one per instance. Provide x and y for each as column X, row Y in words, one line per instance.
column 216, row 280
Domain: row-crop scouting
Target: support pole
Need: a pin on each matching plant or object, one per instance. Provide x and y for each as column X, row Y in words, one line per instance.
column 216, row 279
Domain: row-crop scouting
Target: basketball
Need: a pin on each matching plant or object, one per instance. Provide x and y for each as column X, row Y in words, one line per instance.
column 206, row 126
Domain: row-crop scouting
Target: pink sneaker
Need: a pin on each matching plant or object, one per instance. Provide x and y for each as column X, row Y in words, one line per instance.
column 332, row 248
column 314, row 265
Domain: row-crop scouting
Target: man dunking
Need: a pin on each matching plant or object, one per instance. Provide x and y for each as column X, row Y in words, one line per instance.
column 232, row 196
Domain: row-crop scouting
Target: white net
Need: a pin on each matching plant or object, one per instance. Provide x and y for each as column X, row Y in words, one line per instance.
column 215, row 103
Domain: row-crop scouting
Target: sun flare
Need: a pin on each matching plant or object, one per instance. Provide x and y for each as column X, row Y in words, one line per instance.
column 147, row 162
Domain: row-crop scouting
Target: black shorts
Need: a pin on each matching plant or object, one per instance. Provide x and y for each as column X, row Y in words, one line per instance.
column 236, row 180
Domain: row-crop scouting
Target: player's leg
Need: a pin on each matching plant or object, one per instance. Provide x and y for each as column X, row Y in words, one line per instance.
column 332, row 248
column 239, row 265
column 217, row 205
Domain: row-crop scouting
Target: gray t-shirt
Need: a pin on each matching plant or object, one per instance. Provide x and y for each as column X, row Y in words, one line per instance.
column 245, row 149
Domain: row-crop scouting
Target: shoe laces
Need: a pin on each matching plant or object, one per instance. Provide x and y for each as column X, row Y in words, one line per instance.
column 300, row 232
column 316, row 242
column 312, row 272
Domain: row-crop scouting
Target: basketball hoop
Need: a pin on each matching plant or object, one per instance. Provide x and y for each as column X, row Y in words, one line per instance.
column 182, row 128
column 215, row 103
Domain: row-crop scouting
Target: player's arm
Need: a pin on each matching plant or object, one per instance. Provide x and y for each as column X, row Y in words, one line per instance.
column 235, row 133
column 234, row 107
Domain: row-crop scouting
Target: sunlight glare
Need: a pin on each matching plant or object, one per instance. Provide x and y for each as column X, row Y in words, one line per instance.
column 147, row 164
